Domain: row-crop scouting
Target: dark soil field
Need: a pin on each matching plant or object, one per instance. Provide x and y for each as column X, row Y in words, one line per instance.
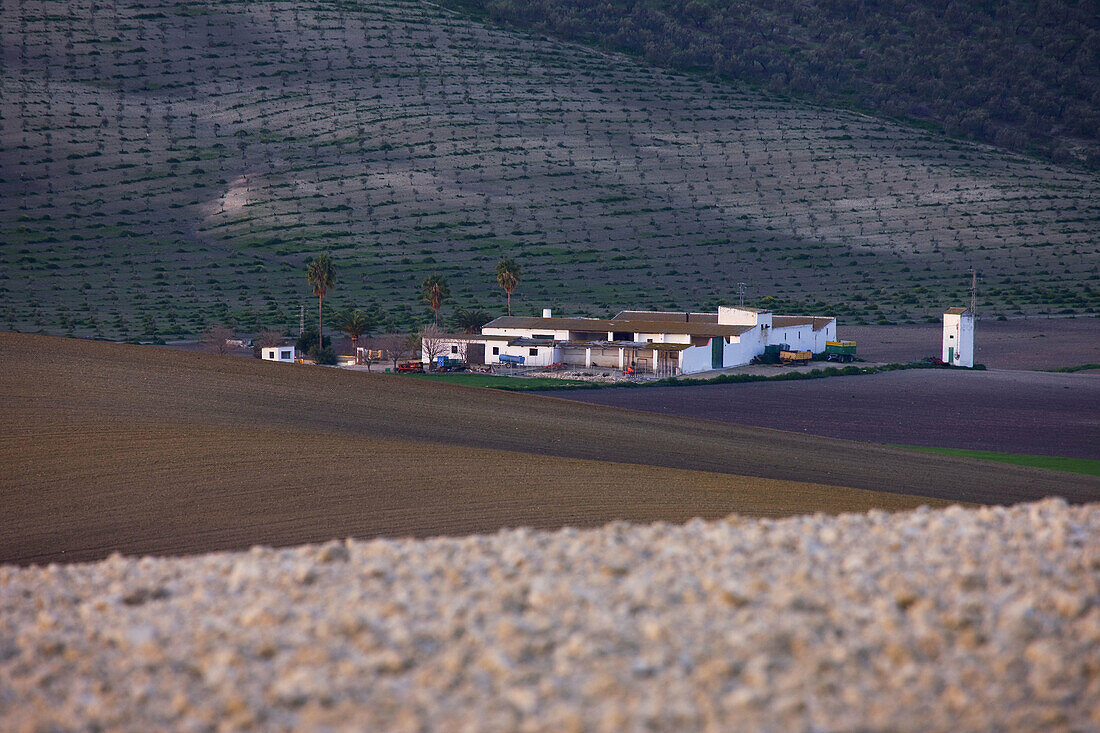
column 1006, row 411
column 1021, row 343
column 113, row 447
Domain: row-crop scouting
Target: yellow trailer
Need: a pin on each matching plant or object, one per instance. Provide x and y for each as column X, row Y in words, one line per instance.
column 795, row 357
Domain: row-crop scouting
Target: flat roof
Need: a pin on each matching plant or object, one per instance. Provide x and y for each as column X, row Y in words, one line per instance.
column 956, row 311
column 678, row 316
column 817, row 322
column 469, row 337
column 631, row 325
column 553, row 324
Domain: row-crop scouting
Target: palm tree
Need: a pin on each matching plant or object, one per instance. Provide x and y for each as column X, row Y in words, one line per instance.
column 435, row 291
column 508, row 274
column 471, row 320
column 321, row 274
column 354, row 323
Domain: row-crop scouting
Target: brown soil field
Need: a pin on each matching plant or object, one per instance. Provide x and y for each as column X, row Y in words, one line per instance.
column 1037, row 413
column 1023, row 343
column 115, row 447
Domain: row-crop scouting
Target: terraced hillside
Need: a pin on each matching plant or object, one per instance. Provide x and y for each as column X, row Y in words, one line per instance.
column 167, row 166
column 141, row 449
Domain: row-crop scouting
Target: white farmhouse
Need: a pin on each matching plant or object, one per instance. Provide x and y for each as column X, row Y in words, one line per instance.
column 958, row 337
column 654, row 342
column 277, row 353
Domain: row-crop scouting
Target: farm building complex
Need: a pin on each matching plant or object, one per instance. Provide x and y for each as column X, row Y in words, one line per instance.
column 655, row 342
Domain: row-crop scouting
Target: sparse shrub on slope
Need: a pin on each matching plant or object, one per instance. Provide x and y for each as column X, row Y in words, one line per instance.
column 1017, row 74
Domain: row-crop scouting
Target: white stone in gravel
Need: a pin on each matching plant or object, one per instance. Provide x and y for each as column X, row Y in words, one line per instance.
column 985, row 619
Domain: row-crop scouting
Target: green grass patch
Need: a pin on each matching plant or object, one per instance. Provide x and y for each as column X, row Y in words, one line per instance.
column 524, row 384
column 1087, row 466
column 1078, row 368
column 518, row 384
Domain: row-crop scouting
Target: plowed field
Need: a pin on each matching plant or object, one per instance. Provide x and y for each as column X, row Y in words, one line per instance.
column 1034, row 413
column 112, row 447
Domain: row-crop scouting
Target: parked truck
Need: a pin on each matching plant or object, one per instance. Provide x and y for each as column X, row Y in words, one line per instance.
column 840, row 351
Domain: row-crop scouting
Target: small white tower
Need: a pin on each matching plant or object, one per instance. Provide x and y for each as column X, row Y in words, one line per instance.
column 958, row 337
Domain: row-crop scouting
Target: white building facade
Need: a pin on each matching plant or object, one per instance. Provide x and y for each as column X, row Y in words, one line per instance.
column 958, row 337
column 277, row 353
column 652, row 342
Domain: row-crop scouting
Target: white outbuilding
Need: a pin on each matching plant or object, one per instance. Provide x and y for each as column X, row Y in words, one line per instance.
column 958, row 337
column 277, row 353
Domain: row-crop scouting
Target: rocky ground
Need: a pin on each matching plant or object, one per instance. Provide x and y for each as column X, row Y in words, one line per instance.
column 955, row 619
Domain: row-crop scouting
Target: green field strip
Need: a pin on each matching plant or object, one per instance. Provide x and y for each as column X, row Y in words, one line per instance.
column 511, row 384
column 1086, row 466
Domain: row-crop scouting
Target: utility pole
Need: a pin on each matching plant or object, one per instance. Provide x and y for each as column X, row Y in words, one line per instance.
column 741, row 294
column 973, row 292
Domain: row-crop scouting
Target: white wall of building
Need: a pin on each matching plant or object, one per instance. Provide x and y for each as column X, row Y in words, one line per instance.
column 736, row 316
column 798, row 338
column 277, row 353
column 695, row 359
column 664, row 338
column 958, row 339
column 825, row 334
column 740, row 350
column 541, row 356
column 557, row 334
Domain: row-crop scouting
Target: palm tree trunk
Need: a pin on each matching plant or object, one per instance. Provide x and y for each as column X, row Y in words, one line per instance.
column 509, row 303
column 320, row 322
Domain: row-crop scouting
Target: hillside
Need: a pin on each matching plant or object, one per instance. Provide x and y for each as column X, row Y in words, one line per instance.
column 142, row 449
column 1019, row 74
column 168, row 166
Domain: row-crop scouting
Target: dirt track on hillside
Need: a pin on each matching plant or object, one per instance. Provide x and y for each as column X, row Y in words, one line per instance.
column 151, row 450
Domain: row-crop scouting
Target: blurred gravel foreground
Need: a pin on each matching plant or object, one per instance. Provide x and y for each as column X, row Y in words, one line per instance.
column 955, row 619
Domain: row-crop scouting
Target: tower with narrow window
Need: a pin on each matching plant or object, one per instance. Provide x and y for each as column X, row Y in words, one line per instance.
column 958, row 337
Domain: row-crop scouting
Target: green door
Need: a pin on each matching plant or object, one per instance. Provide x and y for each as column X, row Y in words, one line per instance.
column 950, row 354
column 716, row 352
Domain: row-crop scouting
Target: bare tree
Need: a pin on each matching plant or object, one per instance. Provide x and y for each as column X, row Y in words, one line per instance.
column 216, row 339
column 462, row 347
column 397, row 347
column 432, row 344
column 269, row 337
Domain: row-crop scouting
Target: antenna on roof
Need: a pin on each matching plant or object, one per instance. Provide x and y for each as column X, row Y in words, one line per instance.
column 741, row 294
column 301, row 319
